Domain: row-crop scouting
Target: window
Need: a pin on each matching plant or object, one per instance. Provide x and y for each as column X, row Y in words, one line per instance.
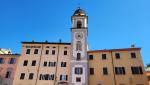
column 35, row 51
column 46, row 77
column 65, row 52
column 78, row 70
column 105, row 71
column 28, row 51
column 52, row 64
column 65, row 47
column 78, row 56
column 8, row 74
column 120, row 70
column 79, row 45
column 54, row 47
column 22, row 76
column 12, row 61
column 103, row 56
column 31, row 76
column 47, row 52
column 137, row 70
column 79, row 24
column 133, row 55
column 53, row 52
column 64, row 77
column 1, row 60
column 78, row 79
column 91, row 71
column 121, row 84
column 45, row 63
column 90, row 57
column 63, row 64
column 148, row 78
column 98, row 84
column 34, row 63
column 117, row 55
column 25, row 63
column 47, row 46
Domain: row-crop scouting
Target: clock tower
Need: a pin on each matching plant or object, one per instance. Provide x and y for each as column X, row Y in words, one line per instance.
column 79, row 60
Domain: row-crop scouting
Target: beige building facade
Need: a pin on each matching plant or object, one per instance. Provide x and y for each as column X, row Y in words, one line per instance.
column 118, row 66
column 43, row 63
column 148, row 73
column 59, row 63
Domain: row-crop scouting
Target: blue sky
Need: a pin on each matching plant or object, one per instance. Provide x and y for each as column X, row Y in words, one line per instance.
column 112, row 23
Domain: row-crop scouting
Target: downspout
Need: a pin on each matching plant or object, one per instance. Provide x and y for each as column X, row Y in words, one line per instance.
column 55, row 75
column 39, row 65
column 113, row 68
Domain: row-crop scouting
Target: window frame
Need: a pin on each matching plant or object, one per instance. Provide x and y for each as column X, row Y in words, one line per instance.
column 78, row 56
column 120, row 71
column 2, row 61
column 12, row 61
column 117, row 55
column 91, row 71
column 91, row 57
column 63, row 77
column 78, row 79
column 33, row 63
column 45, row 63
column 105, row 71
column 136, row 70
column 104, row 57
column 25, row 63
column 63, row 64
column 8, row 74
column 53, row 52
column 46, row 52
column 79, row 24
column 36, row 51
column 22, row 76
column 65, row 52
column 31, row 76
column 133, row 55
column 28, row 51
column 78, row 70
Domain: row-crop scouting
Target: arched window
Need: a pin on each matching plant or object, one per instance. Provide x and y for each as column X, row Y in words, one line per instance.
column 79, row 24
column 79, row 45
column 78, row 56
column 8, row 73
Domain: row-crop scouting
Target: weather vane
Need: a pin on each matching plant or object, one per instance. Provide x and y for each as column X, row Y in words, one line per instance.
column 79, row 5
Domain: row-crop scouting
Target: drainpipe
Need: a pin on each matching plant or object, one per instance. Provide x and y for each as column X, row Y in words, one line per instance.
column 55, row 75
column 39, row 65
column 113, row 68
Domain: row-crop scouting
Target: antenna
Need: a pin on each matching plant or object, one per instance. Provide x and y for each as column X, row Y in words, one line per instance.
column 78, row 5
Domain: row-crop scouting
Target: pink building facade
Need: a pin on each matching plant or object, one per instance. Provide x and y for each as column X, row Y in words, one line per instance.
column 8, row 64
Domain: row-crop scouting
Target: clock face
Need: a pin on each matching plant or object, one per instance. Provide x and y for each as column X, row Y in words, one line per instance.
column 79, row 35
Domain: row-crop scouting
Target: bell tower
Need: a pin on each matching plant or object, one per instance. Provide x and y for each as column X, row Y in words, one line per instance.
column 79, row 60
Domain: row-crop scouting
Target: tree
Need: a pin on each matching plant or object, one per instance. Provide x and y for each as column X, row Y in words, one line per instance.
column 148, row 65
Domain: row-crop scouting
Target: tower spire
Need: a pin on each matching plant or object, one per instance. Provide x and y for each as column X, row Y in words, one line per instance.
column 78, row 66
